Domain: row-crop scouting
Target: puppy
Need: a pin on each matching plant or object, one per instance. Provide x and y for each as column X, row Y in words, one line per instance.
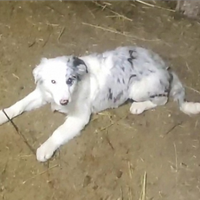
column 80, row 86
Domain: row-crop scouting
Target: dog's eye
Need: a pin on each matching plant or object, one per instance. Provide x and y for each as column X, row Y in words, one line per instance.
column 53, row 81
column 69, row 81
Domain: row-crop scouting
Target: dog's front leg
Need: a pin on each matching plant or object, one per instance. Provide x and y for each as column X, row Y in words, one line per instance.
column 32, row 101
column 71, row 128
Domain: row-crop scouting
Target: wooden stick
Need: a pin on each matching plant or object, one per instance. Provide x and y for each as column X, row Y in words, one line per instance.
column 17, row 130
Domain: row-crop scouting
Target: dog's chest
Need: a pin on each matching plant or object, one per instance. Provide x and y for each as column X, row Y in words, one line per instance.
column 61, row 109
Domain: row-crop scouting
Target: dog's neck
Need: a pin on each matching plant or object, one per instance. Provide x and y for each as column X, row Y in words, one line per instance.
column 91, row 62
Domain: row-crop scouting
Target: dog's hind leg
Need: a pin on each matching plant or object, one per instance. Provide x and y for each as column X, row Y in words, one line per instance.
column 140, row 107
column 32, row 101
column 149, row 93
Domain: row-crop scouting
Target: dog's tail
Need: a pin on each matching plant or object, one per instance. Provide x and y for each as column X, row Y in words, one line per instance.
column 178, row 93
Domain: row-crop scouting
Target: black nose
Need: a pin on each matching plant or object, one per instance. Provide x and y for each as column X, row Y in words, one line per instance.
column 63, row 102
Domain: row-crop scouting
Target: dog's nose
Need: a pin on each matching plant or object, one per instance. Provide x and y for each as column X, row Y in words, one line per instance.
column 63, row 102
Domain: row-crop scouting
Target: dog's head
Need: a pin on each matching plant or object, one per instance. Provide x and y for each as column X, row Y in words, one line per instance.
column 59, row 76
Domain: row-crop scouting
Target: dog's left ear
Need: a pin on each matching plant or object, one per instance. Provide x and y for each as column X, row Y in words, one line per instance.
column 80, row 65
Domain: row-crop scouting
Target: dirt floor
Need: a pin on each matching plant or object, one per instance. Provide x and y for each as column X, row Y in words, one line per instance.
column 110, row 159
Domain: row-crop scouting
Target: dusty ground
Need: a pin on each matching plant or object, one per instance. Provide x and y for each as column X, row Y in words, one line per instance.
column 106, row 164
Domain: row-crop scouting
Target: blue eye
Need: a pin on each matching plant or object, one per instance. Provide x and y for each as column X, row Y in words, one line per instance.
column 69, row 81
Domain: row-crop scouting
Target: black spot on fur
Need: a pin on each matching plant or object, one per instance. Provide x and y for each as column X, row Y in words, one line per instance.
column 118, row 80
column 167, row 90
column 158, row 95
column 161, row 82
column 123, row 81
column 78, row 78
column 130, row 60
column 110, row 94
column 123, row 69
column 151, row 71
column 117, row 98
column 77, row 61
column 132, row 76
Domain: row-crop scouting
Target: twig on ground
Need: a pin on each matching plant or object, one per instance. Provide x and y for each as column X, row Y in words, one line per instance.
column 48, row 28
column 14, row 75
column 90, row 11
column 40, row 173
column 154, row 6
column 53, row 9
column 188, row 67
column 31, row 44
column 143, row 192
column 176, row 158
column 118, row 32
column 4, row 170
column 114, row 12
column 108, row 140
column 17, row 130
column 61, row 33
column 130, row 195
column 106, row 127
column 194, row 90
column 130, row 169
column 173, row 127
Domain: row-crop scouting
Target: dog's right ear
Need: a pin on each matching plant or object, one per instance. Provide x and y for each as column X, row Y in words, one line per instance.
column 37, row 72
column 79, row 65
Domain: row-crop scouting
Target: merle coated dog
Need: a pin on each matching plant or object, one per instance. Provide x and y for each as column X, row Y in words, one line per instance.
column 80, row 86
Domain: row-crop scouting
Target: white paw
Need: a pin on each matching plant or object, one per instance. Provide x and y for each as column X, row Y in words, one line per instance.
column 137, row 108
column 45, row 151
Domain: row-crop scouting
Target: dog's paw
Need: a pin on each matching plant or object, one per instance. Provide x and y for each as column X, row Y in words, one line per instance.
column 137, row 108
column 45, row 151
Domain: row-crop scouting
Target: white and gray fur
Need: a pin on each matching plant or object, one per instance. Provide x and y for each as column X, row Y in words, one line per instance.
column 80, row 86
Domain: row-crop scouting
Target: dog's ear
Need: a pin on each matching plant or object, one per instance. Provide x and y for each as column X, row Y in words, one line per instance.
column 37, row 71
column 80, row 65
